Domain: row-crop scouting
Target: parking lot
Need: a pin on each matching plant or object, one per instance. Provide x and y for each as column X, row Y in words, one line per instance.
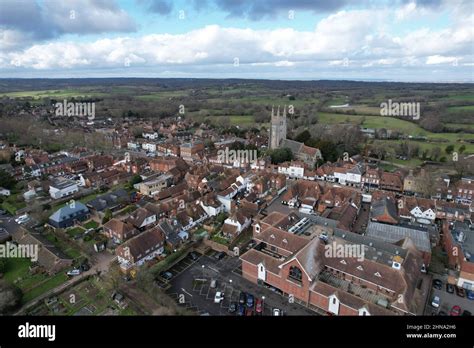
column 190, row 286
column 447, row 301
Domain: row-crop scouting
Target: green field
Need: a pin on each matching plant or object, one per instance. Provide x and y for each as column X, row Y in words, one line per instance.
column 463, row 97
column 63, row 93
column 461, row 108
column 33, row 285
column 163, row 95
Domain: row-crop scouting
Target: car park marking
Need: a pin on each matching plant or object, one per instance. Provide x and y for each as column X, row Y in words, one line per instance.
column 187, row 293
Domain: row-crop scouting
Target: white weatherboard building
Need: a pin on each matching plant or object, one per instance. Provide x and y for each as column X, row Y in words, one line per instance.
column 62, row 187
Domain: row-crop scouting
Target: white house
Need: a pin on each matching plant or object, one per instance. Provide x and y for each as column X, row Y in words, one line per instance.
column 151, row 136
column 422, row 216
column 238, row 221
column 133, row 146
column 151, row 147
column 212, row 208
column 62, row 187
column 293, row 170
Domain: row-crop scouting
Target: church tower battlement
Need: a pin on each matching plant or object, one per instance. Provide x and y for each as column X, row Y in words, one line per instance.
column 277, row 128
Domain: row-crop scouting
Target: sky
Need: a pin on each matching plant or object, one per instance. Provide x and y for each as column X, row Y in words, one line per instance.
column 398, row 40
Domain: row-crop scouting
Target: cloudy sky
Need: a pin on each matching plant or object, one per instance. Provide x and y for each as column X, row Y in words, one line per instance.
column 398, row 40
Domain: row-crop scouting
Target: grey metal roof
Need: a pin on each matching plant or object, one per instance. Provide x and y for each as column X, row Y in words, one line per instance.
column 393, row 234
column 67, row 211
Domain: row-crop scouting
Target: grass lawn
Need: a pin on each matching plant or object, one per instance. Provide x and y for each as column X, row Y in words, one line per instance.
column 90, row 224
column 75, row 231
column 16, row 268
column 70, row 251
column 32, row 285
column 11, row 204
column 219, row 239
column 45, row 286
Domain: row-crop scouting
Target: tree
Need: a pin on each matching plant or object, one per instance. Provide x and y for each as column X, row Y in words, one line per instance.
column 6, row 180
column 435, row 153
column 107, row 216
column 462, row 148
column 134, row 180
column 10, row 297
column 303, row 137
column 281, row 155
column 449, row 149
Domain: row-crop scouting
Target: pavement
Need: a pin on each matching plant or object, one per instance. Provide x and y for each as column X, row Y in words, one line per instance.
column 190, row 287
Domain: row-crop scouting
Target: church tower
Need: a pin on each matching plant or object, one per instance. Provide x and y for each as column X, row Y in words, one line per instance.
column 277, row 128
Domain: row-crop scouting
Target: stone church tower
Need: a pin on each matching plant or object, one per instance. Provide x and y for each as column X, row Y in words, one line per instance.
column 277, row 129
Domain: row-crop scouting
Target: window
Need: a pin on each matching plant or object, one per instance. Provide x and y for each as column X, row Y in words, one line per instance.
column 295, row 273
column 333, row 300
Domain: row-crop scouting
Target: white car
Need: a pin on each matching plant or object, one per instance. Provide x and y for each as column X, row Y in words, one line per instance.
column 219, row 297
column 22, row 219
column 435, row 302
column 74, row 272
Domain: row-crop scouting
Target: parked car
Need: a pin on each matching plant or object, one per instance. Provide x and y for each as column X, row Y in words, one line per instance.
column 466, row 313
column 213, row 284
column 436, row 301
column 85, row 267
column 73, row 272
column 220, row 255
column 193, row 256
column 259, row 306
column 470, row 294
column 243, row 298
column 22, row 219
column 450, row 288
column 233, row 307
column 249, row 312
column 460, row 292
column 250, row 301
column 437, row 284
column 277, row 312
column 241, row 310
column 442, row 313
column 219, row 297
column 166, row 275
column 455, row 311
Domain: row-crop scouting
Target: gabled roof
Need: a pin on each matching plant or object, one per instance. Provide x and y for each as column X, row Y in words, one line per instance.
column 68, row 210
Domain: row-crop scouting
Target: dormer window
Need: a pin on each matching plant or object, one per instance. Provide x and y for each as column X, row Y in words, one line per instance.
column 377, row 274
column 343, row 262
column 295, row 274
column 360, row 268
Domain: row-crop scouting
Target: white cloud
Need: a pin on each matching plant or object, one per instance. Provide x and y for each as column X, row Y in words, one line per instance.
column 356, row 38
column 437, row 59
